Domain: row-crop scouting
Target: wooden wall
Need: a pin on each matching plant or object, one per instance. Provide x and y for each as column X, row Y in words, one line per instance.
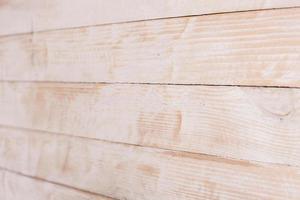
column 149, row 100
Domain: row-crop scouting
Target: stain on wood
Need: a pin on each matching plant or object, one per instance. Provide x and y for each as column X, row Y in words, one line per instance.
column 148, row 170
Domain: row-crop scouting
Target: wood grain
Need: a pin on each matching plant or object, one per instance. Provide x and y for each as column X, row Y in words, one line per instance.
column 16, row 187
column 130, row 172
column 35, row 15
column 260, row 124
column 250, row 48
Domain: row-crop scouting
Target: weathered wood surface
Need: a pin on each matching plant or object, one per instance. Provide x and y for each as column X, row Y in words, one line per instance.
column 35, row 15
column 167, row 138
column 259, row 124
column 14, row 186
column 131, row 172
column 250, row 48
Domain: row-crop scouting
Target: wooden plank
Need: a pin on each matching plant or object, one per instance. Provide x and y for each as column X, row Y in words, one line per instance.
column 131, row 172
column 35, row 15
column 260, row 124
column 251, row 48
column 16, row 187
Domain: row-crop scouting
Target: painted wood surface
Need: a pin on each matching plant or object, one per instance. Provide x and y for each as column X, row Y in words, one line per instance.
column 14, row 186
column 35, row 15
column 260, row 124
column 132, row 172
column 250, row 48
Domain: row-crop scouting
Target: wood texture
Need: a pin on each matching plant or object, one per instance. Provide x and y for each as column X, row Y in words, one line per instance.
column 17, row 187
column 251, row 48
column 259, row 124
column 35, row 15
column 130, row 172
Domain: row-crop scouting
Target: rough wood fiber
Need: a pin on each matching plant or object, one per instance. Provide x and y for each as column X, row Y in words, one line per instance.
column 36, row 15
column 251, row 48
column 17, row 187
column 259, row 124
column 130, row 172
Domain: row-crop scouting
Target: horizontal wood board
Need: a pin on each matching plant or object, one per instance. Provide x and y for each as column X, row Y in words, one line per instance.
column 258, row 48
column 131, row 172
column 34, row 15
column 260, row 124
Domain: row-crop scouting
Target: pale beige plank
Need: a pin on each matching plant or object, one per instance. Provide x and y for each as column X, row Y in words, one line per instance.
column 130, row 172
column 260, row 124
column 18, row 187
column 251, row 48
column 35, row 15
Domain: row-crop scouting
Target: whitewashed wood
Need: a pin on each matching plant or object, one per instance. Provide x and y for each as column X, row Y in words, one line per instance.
column 17, row 187
column 251, row 48
column 35, row 15
column 130, row 172
column 259, row 124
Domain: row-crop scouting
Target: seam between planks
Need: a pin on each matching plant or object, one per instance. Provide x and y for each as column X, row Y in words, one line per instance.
column 181, row 153
column 149, row 83
column 55, row 183
column 154, row 19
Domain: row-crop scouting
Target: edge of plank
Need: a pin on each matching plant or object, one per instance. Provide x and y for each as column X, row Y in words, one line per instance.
column 35, row 16
column 16, row 185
